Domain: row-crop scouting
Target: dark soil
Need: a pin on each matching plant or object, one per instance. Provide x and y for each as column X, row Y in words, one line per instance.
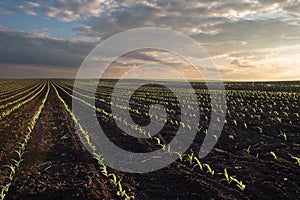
column 57, row 166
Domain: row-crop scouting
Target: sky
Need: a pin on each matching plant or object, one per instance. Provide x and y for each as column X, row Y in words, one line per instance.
column 248, row 40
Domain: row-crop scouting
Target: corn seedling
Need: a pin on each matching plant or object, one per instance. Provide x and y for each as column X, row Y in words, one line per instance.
column 4, row 190
column 2, row 195
column 158, row 141
column 209, row 169
column 248, row 149
column 260, row 130
column 114, row 178
column 235, row 122
column 181, row 156
column 296, row 158
column 99, row 158
column 121, row 192
column 240, row 184
column 11, row 176
column 279, row 119
column 17, row 162
column 272, row 153
column 169, row 149
column 198, row 163
column 19, row 152
column 283, row 135
column 11, row 167
column 190, row 158
column 127, row 197
column 104, row 170
column 22, row 145
column 64, row 137
column 227, row 177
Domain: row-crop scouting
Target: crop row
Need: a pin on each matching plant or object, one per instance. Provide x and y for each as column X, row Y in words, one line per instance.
column 121, row 192
column 19, row 104
column 264, row 109
column 10, row 88
column 190, row 159
column 20, row 150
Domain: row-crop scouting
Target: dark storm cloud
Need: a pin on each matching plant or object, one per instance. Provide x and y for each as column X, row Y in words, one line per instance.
column 32, row 48
column 36, row 49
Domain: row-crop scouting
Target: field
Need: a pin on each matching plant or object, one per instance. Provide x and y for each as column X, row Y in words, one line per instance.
column 42, row 155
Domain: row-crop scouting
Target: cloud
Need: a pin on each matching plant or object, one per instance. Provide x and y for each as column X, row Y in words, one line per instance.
column 71, row 10
column 34, row 48
column 28, row 8
column 33, row 54
column 62, row 15
column 237, row 63
column 241, row 32
column 293, row 8
column 221, row 27
column 35, row 71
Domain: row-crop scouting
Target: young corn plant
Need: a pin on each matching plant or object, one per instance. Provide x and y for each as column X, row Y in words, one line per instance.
column 198, row 163
column 247, row 150
column 209, row 169
column 260, row 130
column 227, row 177
column 11, row 176
column 2, row 194
column 158, row 141
column 22, row 145
column 272, row 153
column 104, row 170
column 181, row 156
column 19, row 152
column 17, row 162
column 278, row 119
column 296, row 158
column 239, row 184
column 98, row 157
column 235, row 122
column 11, row 167
column 114, row 178
column 122, row 193
column 4, row 190
column 169, row 149
column 190, row 158
column 283, row 135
